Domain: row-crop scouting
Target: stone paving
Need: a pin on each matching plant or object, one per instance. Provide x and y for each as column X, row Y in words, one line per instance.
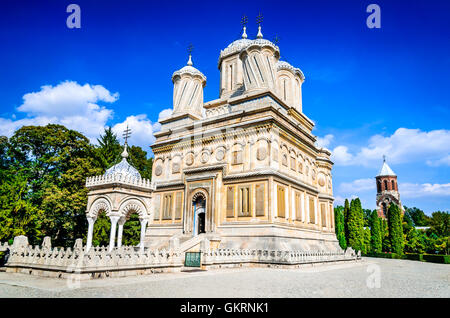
column 396, row 278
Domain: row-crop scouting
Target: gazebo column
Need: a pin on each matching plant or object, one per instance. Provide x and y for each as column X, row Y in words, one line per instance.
column 112, row 236
column 143, row 228
column 120, row 232
column 91, row 221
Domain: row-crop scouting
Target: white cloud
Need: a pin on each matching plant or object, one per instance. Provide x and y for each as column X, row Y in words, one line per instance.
column 69, row 104
column 445, row 161
column 341, row 156
column 165, row 113
column 357, row 186
column 142, row 130
column 415, row 190
column 324, row 142
column 405, row 145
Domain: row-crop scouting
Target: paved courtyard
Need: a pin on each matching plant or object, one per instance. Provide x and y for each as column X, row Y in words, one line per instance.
column 395, row 278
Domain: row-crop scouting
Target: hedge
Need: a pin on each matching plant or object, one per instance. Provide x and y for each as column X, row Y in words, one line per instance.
column 442, row 259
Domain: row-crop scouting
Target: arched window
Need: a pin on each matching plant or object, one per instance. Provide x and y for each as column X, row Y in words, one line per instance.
column 385, row 185
column 393, row 185
column 379, row 186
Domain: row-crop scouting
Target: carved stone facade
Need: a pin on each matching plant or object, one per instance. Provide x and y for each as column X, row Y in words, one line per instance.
column 247, row 173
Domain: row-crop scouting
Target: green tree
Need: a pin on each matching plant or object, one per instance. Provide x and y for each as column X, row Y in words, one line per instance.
column 366, row 215
column 138, row 159
column 367, row 238
column 101, row 232
column 17, row 215
column 376, row 238
column 109, row 149
column 440, row 223
column 418, row 216
column 55, row 162
column 414, row 242
column 355, row 226
column 339, row 226
column 132, row 230
column 386, row 245
column 346, row 213
column 395, row 229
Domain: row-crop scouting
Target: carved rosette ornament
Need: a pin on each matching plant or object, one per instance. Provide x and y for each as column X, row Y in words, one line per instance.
column 158, row 170
column 204, row 157
column 175, row 167
column 189, row 159
column 261, row 153
column 321, row 181
column 220, row 154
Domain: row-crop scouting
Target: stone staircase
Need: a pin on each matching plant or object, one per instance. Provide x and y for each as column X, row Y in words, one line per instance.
column 191, row 242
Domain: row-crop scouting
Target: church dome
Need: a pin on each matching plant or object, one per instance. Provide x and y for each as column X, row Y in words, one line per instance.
column 188, row 69
column 283, row 65
column 241, row 44
column 234, row 47
column 123, row 169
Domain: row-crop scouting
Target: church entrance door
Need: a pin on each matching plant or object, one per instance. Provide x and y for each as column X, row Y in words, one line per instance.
column 199, row 207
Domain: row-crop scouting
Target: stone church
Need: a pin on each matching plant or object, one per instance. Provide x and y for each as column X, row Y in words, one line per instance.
column 242, row 171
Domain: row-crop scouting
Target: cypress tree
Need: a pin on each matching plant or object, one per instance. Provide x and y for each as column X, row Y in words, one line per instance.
column 376, row 233
column 346, row 214
column 339, row 227
column 385, row 243
column 360, row 225
column 395, row 229
column 355, row 235
column 367, row 238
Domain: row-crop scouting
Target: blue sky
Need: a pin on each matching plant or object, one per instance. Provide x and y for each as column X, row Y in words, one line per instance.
column 370, row 91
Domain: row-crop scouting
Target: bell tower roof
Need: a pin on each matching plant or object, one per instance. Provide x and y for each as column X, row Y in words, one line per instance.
column 386, row 170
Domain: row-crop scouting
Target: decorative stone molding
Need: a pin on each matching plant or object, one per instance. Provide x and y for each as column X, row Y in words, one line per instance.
column 98, row 206
column 133, row 206
column 103, row 180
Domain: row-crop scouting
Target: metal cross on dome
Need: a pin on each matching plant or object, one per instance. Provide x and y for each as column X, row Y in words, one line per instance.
column 190, row 48
column 126, row 134
column 259, row 19
column 276, row 40
column 244, row 20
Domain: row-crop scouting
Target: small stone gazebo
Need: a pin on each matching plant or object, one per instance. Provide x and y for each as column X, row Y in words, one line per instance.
column 118, row 193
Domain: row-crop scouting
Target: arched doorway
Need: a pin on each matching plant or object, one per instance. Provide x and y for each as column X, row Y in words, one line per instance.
column 199, row 208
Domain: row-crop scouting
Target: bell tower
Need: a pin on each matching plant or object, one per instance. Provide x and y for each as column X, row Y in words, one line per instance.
column 387, row 190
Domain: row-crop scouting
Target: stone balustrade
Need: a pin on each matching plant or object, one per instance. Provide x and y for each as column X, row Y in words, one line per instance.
column 4, row 246
column 98, row 259
column 46, row 260
column 230, row 256
column 129, row 180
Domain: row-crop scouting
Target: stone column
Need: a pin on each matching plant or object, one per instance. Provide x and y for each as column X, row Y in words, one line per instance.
column 120, row 231
column 143, row 228
column 112, row 235
column 91, row 222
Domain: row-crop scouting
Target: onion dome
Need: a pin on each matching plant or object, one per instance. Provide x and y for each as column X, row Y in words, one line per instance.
column 243, row 43
column 235, row 47
column 123, row 169
column 283, row 65
column 189, row 69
